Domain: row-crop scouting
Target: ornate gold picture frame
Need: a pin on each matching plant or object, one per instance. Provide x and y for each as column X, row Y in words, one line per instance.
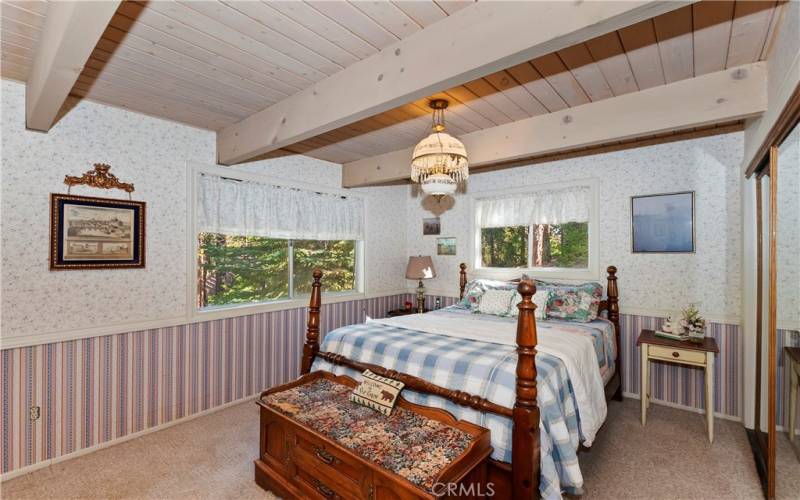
column 96, row 233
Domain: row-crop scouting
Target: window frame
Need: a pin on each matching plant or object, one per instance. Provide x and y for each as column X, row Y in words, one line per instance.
column 592, row 272
column 194, row 312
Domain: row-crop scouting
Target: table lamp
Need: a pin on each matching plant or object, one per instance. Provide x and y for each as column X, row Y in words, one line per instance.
column 420, row 268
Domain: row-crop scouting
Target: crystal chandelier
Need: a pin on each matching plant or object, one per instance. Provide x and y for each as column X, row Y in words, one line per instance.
column 439, row 161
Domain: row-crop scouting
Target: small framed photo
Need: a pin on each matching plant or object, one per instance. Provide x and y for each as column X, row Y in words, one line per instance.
column 663, row 223
column 446, row 246
column 96, row 233
column 431, row 226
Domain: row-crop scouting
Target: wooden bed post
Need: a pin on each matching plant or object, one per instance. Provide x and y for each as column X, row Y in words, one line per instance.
column 311, row 347
column 613, row 316
column 525, row 456
column 462, row 280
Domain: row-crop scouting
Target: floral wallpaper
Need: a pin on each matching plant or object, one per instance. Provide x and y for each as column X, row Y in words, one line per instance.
column 153, row 154
column 709, row 166
column 788, row 239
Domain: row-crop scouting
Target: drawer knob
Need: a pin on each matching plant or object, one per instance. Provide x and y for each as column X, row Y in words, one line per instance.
column 326, row 492
column 675, row 354
column 324, row 456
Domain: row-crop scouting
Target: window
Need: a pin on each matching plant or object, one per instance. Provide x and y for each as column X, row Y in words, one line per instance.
column 259, row 240
column 251, row 269
column 548, row 229
column 539, row 245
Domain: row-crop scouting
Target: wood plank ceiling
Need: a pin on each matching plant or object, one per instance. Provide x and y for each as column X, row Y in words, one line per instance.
column 213, row 63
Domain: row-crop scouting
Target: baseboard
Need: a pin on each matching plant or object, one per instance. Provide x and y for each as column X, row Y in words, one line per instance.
column 692, row 409
column 84, row 451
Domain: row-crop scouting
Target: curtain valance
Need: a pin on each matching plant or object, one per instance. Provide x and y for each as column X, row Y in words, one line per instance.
column 245, row 208
column 555, row 206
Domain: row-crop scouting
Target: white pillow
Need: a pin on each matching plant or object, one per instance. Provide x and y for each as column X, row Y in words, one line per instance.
column 540, row 298
column 495, row 302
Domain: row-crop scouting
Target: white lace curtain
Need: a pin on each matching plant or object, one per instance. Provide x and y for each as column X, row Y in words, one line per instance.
column 540, row 207
column 245, row 208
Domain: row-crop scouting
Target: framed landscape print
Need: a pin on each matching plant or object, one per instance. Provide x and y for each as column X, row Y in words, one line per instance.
column 96, row 233
column 663, row 223
column 446, row 246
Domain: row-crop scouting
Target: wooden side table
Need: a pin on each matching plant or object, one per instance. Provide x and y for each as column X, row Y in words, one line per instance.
column 793, row 358
column 681, row 352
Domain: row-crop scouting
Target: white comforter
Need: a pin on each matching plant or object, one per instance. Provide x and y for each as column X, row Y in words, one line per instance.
column 574, row 350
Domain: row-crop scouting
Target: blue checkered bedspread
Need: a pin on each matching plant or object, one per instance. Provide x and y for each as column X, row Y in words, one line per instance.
column 487, row 370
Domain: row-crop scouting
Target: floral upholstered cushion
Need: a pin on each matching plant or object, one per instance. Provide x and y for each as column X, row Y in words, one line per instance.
column 540, row 298
column 405, row 443
column 573, row 302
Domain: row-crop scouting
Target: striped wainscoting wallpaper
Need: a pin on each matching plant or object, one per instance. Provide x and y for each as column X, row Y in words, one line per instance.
column 786, row 338
column 685, row 385
column 95, row 390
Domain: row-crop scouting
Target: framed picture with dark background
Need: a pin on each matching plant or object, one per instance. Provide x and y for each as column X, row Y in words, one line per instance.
column 96, row 233
column 431, row 226
column 663, row 223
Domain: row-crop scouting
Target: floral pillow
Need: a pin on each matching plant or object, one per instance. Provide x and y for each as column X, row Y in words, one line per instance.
column 573, row 302
column 540, row 298
column 476, row 288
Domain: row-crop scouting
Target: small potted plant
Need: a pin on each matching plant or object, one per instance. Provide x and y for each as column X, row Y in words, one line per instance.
column 694, row 324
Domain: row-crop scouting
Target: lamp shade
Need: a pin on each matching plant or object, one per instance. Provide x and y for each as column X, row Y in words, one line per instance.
column 420, row 268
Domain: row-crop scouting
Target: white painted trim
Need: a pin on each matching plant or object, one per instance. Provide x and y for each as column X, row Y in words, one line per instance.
column 724, row 416
column 85, row 451
column 473, row 42
column 590, row 273
column 719, row 97
column 135, row 326
column 69, row 35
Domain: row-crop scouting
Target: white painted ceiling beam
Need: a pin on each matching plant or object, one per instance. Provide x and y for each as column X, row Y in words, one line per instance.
column 719, row 97
column 71, row 32
column 473, row 42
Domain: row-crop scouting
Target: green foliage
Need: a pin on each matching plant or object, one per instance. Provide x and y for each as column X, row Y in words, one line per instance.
column 569, row 245
column 557, row 245
column 244, row 269
column 337, row 259
column 504, row 246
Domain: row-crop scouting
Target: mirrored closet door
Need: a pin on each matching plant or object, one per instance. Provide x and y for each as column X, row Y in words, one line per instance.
column 786, row 333
column 776, row 439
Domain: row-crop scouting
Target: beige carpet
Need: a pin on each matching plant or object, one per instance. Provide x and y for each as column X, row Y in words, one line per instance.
column 211, row 457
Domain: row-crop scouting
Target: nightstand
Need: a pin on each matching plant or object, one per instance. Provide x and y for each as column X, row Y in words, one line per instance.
column 680, row 352
column 793, row 360
column 402, row 312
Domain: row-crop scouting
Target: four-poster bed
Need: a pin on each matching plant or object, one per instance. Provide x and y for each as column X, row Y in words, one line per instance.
column 520, row 478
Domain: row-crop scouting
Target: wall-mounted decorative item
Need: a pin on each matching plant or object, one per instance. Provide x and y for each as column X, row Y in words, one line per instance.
column 663, row 223
column 96, row 233
column 431, row 226
column 446, row 246
column 99, row 178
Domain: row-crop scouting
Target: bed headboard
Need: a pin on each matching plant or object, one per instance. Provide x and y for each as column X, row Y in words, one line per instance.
column 610, row 304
